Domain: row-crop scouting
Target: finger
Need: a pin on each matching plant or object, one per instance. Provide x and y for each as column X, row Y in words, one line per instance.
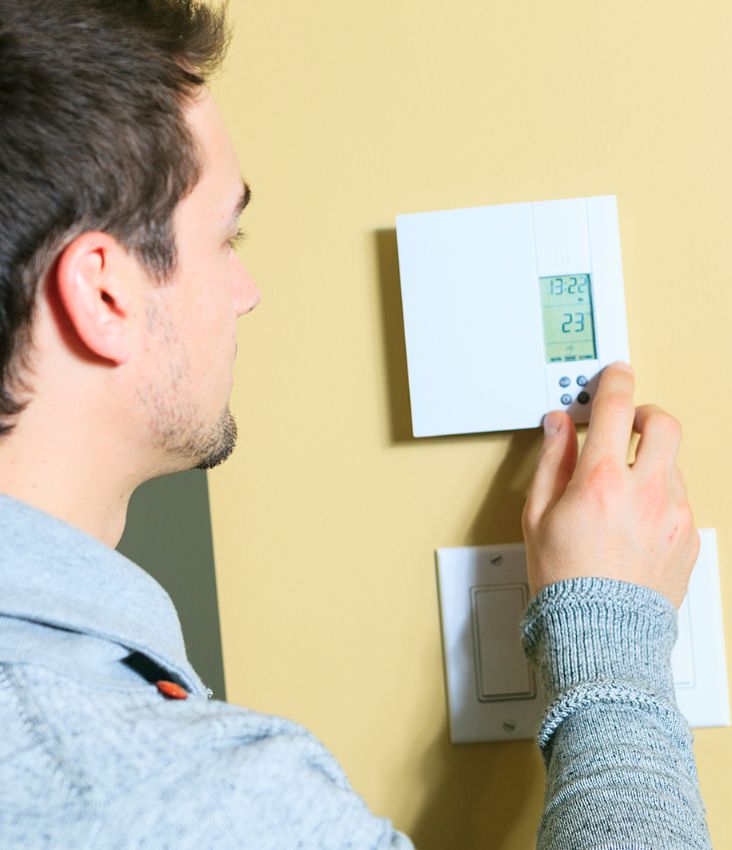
column 680, row 498
column 556, row 463
column 678, row 488
column 660, row 440
column 611, row 421
column 678, row 492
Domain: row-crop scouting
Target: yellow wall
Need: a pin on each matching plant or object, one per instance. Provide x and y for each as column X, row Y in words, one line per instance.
column 325, row 521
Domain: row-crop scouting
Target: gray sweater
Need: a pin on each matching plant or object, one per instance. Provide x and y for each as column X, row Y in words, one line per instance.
column 97, row 751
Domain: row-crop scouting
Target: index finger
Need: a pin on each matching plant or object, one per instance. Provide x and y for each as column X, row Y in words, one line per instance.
column 611, row 421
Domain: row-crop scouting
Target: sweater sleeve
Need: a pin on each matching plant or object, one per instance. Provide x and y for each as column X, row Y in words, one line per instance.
column 618, row 753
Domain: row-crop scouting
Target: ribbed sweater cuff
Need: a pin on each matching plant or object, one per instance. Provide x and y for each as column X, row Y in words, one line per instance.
column 602, row 631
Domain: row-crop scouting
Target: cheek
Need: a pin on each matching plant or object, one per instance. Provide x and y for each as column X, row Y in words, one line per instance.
column 202, row 311
column 212, row 323
column 214, row 335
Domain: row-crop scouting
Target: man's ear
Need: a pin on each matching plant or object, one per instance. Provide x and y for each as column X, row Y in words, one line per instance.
column 92, row 278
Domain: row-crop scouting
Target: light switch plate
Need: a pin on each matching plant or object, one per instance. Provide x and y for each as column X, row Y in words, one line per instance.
column 494, row 694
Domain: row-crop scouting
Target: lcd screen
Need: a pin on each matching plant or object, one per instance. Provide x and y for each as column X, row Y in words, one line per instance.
column 569, row 323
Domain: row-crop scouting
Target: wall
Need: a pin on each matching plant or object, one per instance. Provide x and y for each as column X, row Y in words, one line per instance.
column 326, row 520
column 168, row 532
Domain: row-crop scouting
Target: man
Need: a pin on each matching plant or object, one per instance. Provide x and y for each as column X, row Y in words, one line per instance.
column 119, row 293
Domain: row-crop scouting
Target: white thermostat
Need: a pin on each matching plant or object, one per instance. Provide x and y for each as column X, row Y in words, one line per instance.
column 510, row 311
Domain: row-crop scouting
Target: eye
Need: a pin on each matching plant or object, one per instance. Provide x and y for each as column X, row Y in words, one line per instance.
column 237, row 239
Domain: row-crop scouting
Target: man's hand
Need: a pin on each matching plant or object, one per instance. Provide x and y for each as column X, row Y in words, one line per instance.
column 597, row 516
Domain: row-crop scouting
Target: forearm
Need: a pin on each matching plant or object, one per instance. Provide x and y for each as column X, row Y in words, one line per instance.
column 619, row 759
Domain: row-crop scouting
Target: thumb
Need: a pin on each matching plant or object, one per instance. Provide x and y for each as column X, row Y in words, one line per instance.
column 556, row 463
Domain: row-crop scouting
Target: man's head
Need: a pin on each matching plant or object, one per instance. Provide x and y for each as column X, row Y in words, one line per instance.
column 119, row 194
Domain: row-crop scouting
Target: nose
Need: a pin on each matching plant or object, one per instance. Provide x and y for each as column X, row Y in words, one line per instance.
column 247, row 294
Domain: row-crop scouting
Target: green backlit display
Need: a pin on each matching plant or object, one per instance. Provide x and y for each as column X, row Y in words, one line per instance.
column 569, row 323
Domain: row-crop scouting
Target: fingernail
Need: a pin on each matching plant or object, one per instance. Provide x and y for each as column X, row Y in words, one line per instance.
column 621, row 364
column 552, row 424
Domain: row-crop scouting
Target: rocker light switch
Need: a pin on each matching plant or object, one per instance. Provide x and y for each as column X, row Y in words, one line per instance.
column 502, row 669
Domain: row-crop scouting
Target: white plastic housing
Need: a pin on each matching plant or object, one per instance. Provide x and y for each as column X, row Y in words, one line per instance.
column 473, row 315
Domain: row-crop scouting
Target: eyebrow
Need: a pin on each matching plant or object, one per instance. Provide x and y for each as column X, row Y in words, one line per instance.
column 241, row 204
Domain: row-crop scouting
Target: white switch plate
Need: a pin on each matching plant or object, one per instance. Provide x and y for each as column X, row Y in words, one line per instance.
column 494, row 694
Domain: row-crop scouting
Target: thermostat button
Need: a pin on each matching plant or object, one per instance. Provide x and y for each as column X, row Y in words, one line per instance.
column 581, row 381
column 583, row 398
column 567, row 398
column 564, row 382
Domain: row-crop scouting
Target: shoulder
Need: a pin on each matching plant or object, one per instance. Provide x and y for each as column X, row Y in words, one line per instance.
column 131, row 723
column 208, row 773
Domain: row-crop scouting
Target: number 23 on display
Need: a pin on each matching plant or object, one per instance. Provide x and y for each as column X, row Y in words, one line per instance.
column 569, row 318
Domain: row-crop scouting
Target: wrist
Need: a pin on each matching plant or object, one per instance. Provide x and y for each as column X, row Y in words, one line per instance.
column 601, row 631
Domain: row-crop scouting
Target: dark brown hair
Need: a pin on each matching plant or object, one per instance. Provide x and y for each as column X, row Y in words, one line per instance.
column 92, row 137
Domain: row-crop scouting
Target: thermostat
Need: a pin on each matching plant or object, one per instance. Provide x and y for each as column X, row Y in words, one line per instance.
column 510, row 311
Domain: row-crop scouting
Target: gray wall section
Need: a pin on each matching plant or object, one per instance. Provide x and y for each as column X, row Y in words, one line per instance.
column 168, row 533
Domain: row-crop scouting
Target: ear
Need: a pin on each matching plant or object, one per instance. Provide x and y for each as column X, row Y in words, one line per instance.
column 93, row 280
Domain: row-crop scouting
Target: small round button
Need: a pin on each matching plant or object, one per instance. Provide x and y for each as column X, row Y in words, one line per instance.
column 581, row 381
column 583, row 398
column 567, row 399
column 564, row 382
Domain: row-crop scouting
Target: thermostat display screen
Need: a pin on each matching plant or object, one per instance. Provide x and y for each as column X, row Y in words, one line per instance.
column 569, row 323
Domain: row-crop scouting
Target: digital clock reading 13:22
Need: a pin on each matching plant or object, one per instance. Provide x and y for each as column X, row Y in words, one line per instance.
column 569, row 326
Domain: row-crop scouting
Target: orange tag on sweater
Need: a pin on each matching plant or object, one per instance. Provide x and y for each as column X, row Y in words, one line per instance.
column 171, row 690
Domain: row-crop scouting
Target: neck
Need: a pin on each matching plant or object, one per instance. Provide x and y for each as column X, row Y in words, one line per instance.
column 68, row 473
